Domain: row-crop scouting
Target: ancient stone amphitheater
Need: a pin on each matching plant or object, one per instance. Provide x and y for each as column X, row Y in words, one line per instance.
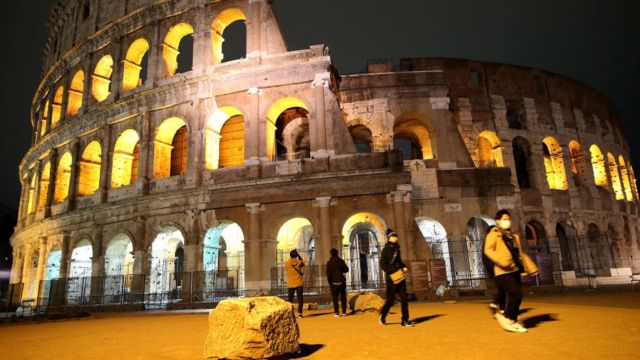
column 163, row 172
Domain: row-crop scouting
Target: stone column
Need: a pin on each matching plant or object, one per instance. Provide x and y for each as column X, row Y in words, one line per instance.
column 53, row 160
column 73, row 178
column 16, row 267
column 140, row 262
column 399, row 219
column 254, row 29
column 42, row 265
column 22, row 208
column 36, row 191
column 26, row 265
column 86, row 96
column 252, row 134
column 323, row 237
column 320, row 83
column 65, row 258
column 97, row 267
column 145, row 171
column 155, row 61
column 106, row 165
column 252, row 248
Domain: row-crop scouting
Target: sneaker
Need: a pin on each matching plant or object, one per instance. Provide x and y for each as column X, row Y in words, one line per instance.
column 517, row 327
column 382, row 320
column 503, row 321
column 299, row 316
column 336, row 315
column 343, row 314
column 408, row 324
column 499, row 312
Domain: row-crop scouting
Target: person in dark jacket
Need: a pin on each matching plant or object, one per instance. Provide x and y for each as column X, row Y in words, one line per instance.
column 391, row 263
column 336, row 268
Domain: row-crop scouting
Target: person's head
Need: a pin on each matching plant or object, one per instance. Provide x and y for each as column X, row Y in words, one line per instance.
column 293, row 253
column 392, row 236
column 333, row 252
column 503, row 219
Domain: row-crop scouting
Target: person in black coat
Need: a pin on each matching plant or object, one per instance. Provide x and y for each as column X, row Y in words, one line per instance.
column 391, row 263
column 336, row 268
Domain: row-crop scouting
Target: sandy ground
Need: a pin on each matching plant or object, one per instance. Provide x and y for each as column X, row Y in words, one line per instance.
column 576, row 326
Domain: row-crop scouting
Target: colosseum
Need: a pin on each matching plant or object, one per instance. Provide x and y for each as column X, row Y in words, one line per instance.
column 162, row 172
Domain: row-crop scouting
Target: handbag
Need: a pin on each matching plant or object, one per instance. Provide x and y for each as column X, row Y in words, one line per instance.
column 397, row 277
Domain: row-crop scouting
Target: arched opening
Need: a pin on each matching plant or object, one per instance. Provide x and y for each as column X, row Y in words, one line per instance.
column 536, row 237
column 436, row 237
column 634, row 186
column 63, row 177
column 31, row 208
column 516, row 118
column 295, row 137
column 223, row 261
column 599, row 170
column 362, row 138
column 101, row 79
column 170, row 149
column 296, row 233
column 177, row 50
column 281, row 113
column 44, row 185
column 126, row 156
column 135, row 65
column 224, row 139
column 118, row 268
column 411, row 135
column 90, row 163
column 568, row 252
column 597, row 247
column 229, row 23
column 522, row 160
column 51, row 274
column 56, row 107
column 362, row 241
column 167, row 259
column 615, row 177
column 469, row 269
column 624, row 174
column 76, row 93
column 79, row 281
column 554, row 164
column 577, row 162
column 489, row 150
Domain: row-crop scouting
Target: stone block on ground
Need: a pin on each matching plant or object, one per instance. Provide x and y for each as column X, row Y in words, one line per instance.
column 252, row 328
column 365, row 302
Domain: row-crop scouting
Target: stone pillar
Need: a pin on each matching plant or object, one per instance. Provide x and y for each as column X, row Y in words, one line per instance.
column 252, row 248
column 155, row 61
column 36, row 191
column 42, row 265
column 254, row 29
column 65, row 258
column 107, row 164
column 16, row 266
column 73, row 179
column 22, row 208
column 53, row 160
column 145, row 171
column 320, row 83
column 252, row 134
column 140, row 262
column 323, row 239
column 86, row 97
column 399, row 220
column 97, row 266
column 26, row 266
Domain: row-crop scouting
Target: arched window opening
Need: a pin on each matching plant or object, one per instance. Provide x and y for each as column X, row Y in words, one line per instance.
column 90, row 163
column 31, row 208
column 599, row 169
column 101, row 79
column 170, row 149
column 362, row 138
column 56, row 107
column 412, row 137
column 118, row 268
column 537, row 242
column 80, row 269
column 624, row 174
column 437, row 239
column 228, row 36
column 281, row 113
column 577, row 162
column 567, row 241
column 295, row 135
column 522, row 160
column 362, row 241
column 135, row 65
column 44, row 185
column 45, row 117
column 471, row 267
column 177, row 49
column 516, row 118
column 223, row 259
column 76, row 93
column 615, row 177
column 296, row 233
column 489, row 150
column 125, row 159
column 224, row 139
column 167, row 254
column 554, row 164
column 599, row 247
column 63, row 177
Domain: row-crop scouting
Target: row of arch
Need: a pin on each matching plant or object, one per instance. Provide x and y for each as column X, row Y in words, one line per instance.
column 177, row 57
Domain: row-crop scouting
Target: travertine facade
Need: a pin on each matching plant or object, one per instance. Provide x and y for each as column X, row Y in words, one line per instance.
column 143, row 161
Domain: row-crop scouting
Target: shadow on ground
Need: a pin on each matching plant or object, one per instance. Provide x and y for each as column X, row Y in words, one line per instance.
column 318, row 314
column 422, row 319
column 533, row 321
column 305, row 350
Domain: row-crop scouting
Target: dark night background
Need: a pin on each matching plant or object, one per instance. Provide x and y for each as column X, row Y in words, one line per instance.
column 593, row 41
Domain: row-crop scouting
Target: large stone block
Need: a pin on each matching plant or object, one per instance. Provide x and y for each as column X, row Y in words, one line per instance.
column 251, row 328
column 365, row 302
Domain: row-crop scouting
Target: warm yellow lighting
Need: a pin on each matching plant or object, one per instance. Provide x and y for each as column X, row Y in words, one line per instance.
column 411, row 126
column 272, row 116
column 133, row 64
column 599, row 169
column 90, row 163
column 363, row 218
column 554, row 164
column 45, row 116
column 291, row 232
column 226, row 18
column 76, row 92
column 171, row 44
column 63, row 176
column 634, row 181
column 615, row 177
column 102, row 78
column 163, row 147
column 124, row 156
column 56, row 107
column 224, row 138
column 32, row 194
column 44, row 185
column 489, row 150
column 624, row 174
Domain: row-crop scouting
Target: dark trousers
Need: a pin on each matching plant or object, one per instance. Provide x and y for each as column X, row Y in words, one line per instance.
column 339, row 290
column 299, row 291
column 500, row 298
column 393, row 290
column 510, row 284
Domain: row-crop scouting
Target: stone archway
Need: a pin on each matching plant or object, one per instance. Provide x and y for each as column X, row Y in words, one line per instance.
column 223, row 261
column 362, row 241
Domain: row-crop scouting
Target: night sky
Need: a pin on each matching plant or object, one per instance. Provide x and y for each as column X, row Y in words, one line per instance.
column 593, row 41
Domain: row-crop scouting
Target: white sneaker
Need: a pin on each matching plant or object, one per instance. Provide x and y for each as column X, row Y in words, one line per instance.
column 499, row 312
column 336, row 315
column 517, row 327
column 503, row 321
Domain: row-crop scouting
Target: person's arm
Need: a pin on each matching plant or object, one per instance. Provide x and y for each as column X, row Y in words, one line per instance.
column 530, row 266
column 328, row 272
column 385, row 261
column 343, row 267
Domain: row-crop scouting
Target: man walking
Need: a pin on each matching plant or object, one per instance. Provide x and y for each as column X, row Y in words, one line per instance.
column 394, row 269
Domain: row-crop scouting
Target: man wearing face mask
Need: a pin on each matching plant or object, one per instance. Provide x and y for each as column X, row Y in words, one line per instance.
column 394, row 269
column 510, row 261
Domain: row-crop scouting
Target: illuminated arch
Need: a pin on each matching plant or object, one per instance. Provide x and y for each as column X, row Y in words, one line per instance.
column 599, row 169
column 171, row 45
column 63, row 177
column 489, row 150
column 411, row 133
column 437, row 239
column 90, row 163
column 80, row 270
column 224, row 138
column 362, row 138
column 224, row 19
column 296, row 233
column 170, row 148
column 76, row 93
column 45, row 178
column 126, row 154
column 118, row 259
column 634, row 186
column 101, row 79
column 45, row 116
column 615, row 177
column 577, row 161
column 31, row 208
column 133, row 65
column 363, row 236
column 167, row 258
column 56, row 107
column 295, row 138
column 624, row 174
column 554, row 164
column 223, row 258
column 274, row 119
